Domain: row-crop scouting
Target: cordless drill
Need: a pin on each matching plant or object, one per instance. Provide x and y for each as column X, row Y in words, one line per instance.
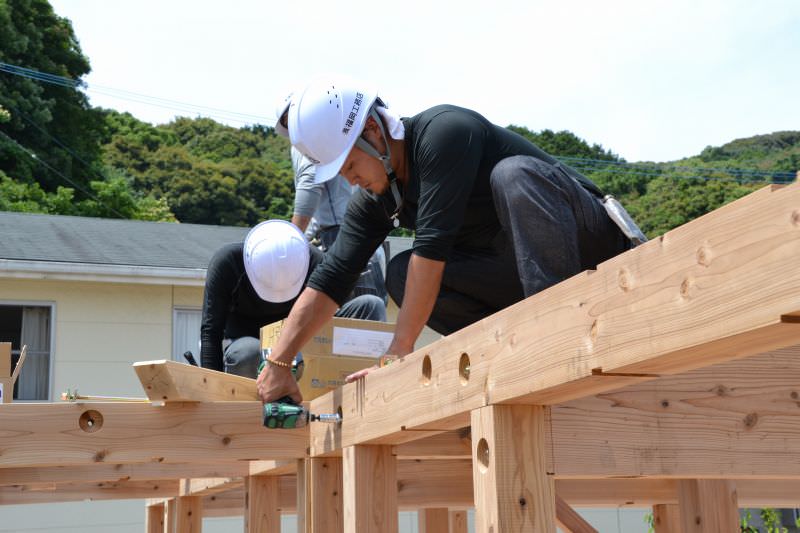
column 286, row 414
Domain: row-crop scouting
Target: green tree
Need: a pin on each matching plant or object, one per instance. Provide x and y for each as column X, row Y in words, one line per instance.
column 43, row 117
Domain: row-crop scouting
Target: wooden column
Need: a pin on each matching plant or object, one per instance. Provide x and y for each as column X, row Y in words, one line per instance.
column 513, row 492
column 154, row 518
column 458, row 522
column 261, row 507
column 433, row 520
column 667, row 518
column 189, row 514
column 303, row 496
column 170, row 516
column 370, row 489
column 326, row 488
column 708, row 505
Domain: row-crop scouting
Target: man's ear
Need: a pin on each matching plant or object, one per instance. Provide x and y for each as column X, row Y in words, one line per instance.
column 372, row 133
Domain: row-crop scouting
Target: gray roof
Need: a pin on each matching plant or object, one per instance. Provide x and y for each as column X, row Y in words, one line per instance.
column 34, row 237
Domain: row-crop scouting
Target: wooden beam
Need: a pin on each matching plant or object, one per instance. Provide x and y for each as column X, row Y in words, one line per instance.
column 72, row 492
column 206, row 486
column 154, row 518
column 262, row 504
column 667, row 518
column 120, row 472
column 713, row 290
column 731, row 420
column 433, row 520
column 370, row 489
column 708, row 505
column 170, row 381
column 569, row 520
column 445, row 445
column 272, row 468
column 513, row 492
column 94, row 433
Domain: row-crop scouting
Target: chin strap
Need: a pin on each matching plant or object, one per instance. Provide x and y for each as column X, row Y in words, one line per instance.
column 385, row 159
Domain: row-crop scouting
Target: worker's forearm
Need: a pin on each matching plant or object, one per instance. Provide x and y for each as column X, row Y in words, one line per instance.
column 310, row 312
column 301, row 221
column 422, row 288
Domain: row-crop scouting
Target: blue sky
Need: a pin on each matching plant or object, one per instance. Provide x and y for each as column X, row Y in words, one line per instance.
column 649, row 80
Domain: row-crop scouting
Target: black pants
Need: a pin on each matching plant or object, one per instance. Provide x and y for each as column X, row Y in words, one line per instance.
column 552, row 228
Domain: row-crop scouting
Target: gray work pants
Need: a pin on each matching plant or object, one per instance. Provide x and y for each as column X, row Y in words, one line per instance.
column 552, row 228
column 243, row 355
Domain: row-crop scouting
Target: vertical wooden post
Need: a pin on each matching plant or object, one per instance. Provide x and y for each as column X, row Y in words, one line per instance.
column 433, row 520
column 513, row 492
column 154, row 518
column 326, row 494
column 189, row 514
column 370, row 489
column 261, row 512
column 303, row 496
column 6, row 384
column 458, row 522
column 170, row 516
column 708, row 505
column 667, row 518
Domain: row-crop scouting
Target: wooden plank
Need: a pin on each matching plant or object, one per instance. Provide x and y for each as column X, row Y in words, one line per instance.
column 569, row 520
column 325, row 494
column 370, row 489
column 434, row 483
column 713, row 290
column 303, row 492
column 120, row 472
column 458, row 522
column 708, row 505
column 118, row 433
column 731, row 420
column 445, row 445
column 433, row 520
column 513, row 492
column 171, row 381
column 154, row 518
column 189, row 514
column 272, row 468
column 262, row 505
column 206, row 486
column 71, row 492
column 667, row 518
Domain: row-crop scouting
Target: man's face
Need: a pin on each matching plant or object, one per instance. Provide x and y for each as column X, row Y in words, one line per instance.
column 365, row 171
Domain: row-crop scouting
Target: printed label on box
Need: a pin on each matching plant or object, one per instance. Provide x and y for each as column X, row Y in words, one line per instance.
column 362, row 342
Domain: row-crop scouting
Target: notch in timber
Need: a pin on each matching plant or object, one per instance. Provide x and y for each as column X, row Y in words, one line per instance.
column 793, row 318
column 599, row 372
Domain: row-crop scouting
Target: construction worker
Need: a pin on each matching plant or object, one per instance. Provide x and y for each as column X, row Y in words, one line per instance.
column 496, row 219
column 254, row 283
column 326, row 202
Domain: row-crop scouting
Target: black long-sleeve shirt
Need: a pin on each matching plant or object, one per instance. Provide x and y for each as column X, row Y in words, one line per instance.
column 447, row 199
column 231, row 307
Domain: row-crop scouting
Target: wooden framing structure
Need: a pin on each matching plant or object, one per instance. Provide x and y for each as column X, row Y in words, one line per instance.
column 667, row 378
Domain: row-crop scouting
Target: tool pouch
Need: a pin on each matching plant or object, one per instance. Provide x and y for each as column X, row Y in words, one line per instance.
column 622, row 219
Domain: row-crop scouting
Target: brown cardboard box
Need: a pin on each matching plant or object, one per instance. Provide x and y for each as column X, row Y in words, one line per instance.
column 5, row 359
column 341, row 347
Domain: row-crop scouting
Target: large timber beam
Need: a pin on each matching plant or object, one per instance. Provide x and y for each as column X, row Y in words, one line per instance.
column 718, row 288
column 117, row 433
column 120, row 472
column 170, row 381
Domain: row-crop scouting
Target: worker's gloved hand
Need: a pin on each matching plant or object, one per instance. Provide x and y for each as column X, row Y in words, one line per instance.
column 275, row 382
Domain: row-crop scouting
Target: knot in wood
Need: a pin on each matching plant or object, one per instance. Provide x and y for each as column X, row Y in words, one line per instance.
column 751, row 420
column 226, row 440
column 686, row 287
column 664, row 403
column 522, row 502
column 703, row 256
column 624, row 279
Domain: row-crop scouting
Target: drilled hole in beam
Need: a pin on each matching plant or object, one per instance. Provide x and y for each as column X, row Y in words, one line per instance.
column 426, row 370
column 463, row 368
column 91, row 421
column 483, row 455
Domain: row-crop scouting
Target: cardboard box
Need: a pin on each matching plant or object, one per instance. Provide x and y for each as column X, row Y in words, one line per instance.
column 6, row 390
column 341, row 347
column 5, row 359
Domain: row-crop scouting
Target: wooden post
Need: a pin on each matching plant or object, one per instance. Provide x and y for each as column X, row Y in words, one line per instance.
column 303, row 496
column 370, row 489
column 154, row 518
column 261, row 507
column 326, row 488
column 513, row 492
column 433, row 520
column 189, row 514
column 170, row 516
column 708, row 505
column 667, row 518
column 458, row 522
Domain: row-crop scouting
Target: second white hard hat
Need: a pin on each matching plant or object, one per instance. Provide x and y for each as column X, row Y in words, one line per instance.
column 326, row 119
column 276, row 258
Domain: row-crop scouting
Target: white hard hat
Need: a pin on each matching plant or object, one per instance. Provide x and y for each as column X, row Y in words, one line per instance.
column 276, row 260
column 280, row 109
column 326, row 119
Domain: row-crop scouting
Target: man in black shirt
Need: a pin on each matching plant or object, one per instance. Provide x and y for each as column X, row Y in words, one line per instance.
column 496, row 219
column 254, row 283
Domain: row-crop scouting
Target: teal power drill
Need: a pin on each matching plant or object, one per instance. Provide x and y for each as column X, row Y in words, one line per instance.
column 286, row 414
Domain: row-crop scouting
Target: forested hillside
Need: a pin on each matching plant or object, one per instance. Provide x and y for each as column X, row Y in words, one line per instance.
column 60, row 155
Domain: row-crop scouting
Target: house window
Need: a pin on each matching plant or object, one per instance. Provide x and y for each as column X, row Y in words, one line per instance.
column 29, row 325
column 186, row 333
